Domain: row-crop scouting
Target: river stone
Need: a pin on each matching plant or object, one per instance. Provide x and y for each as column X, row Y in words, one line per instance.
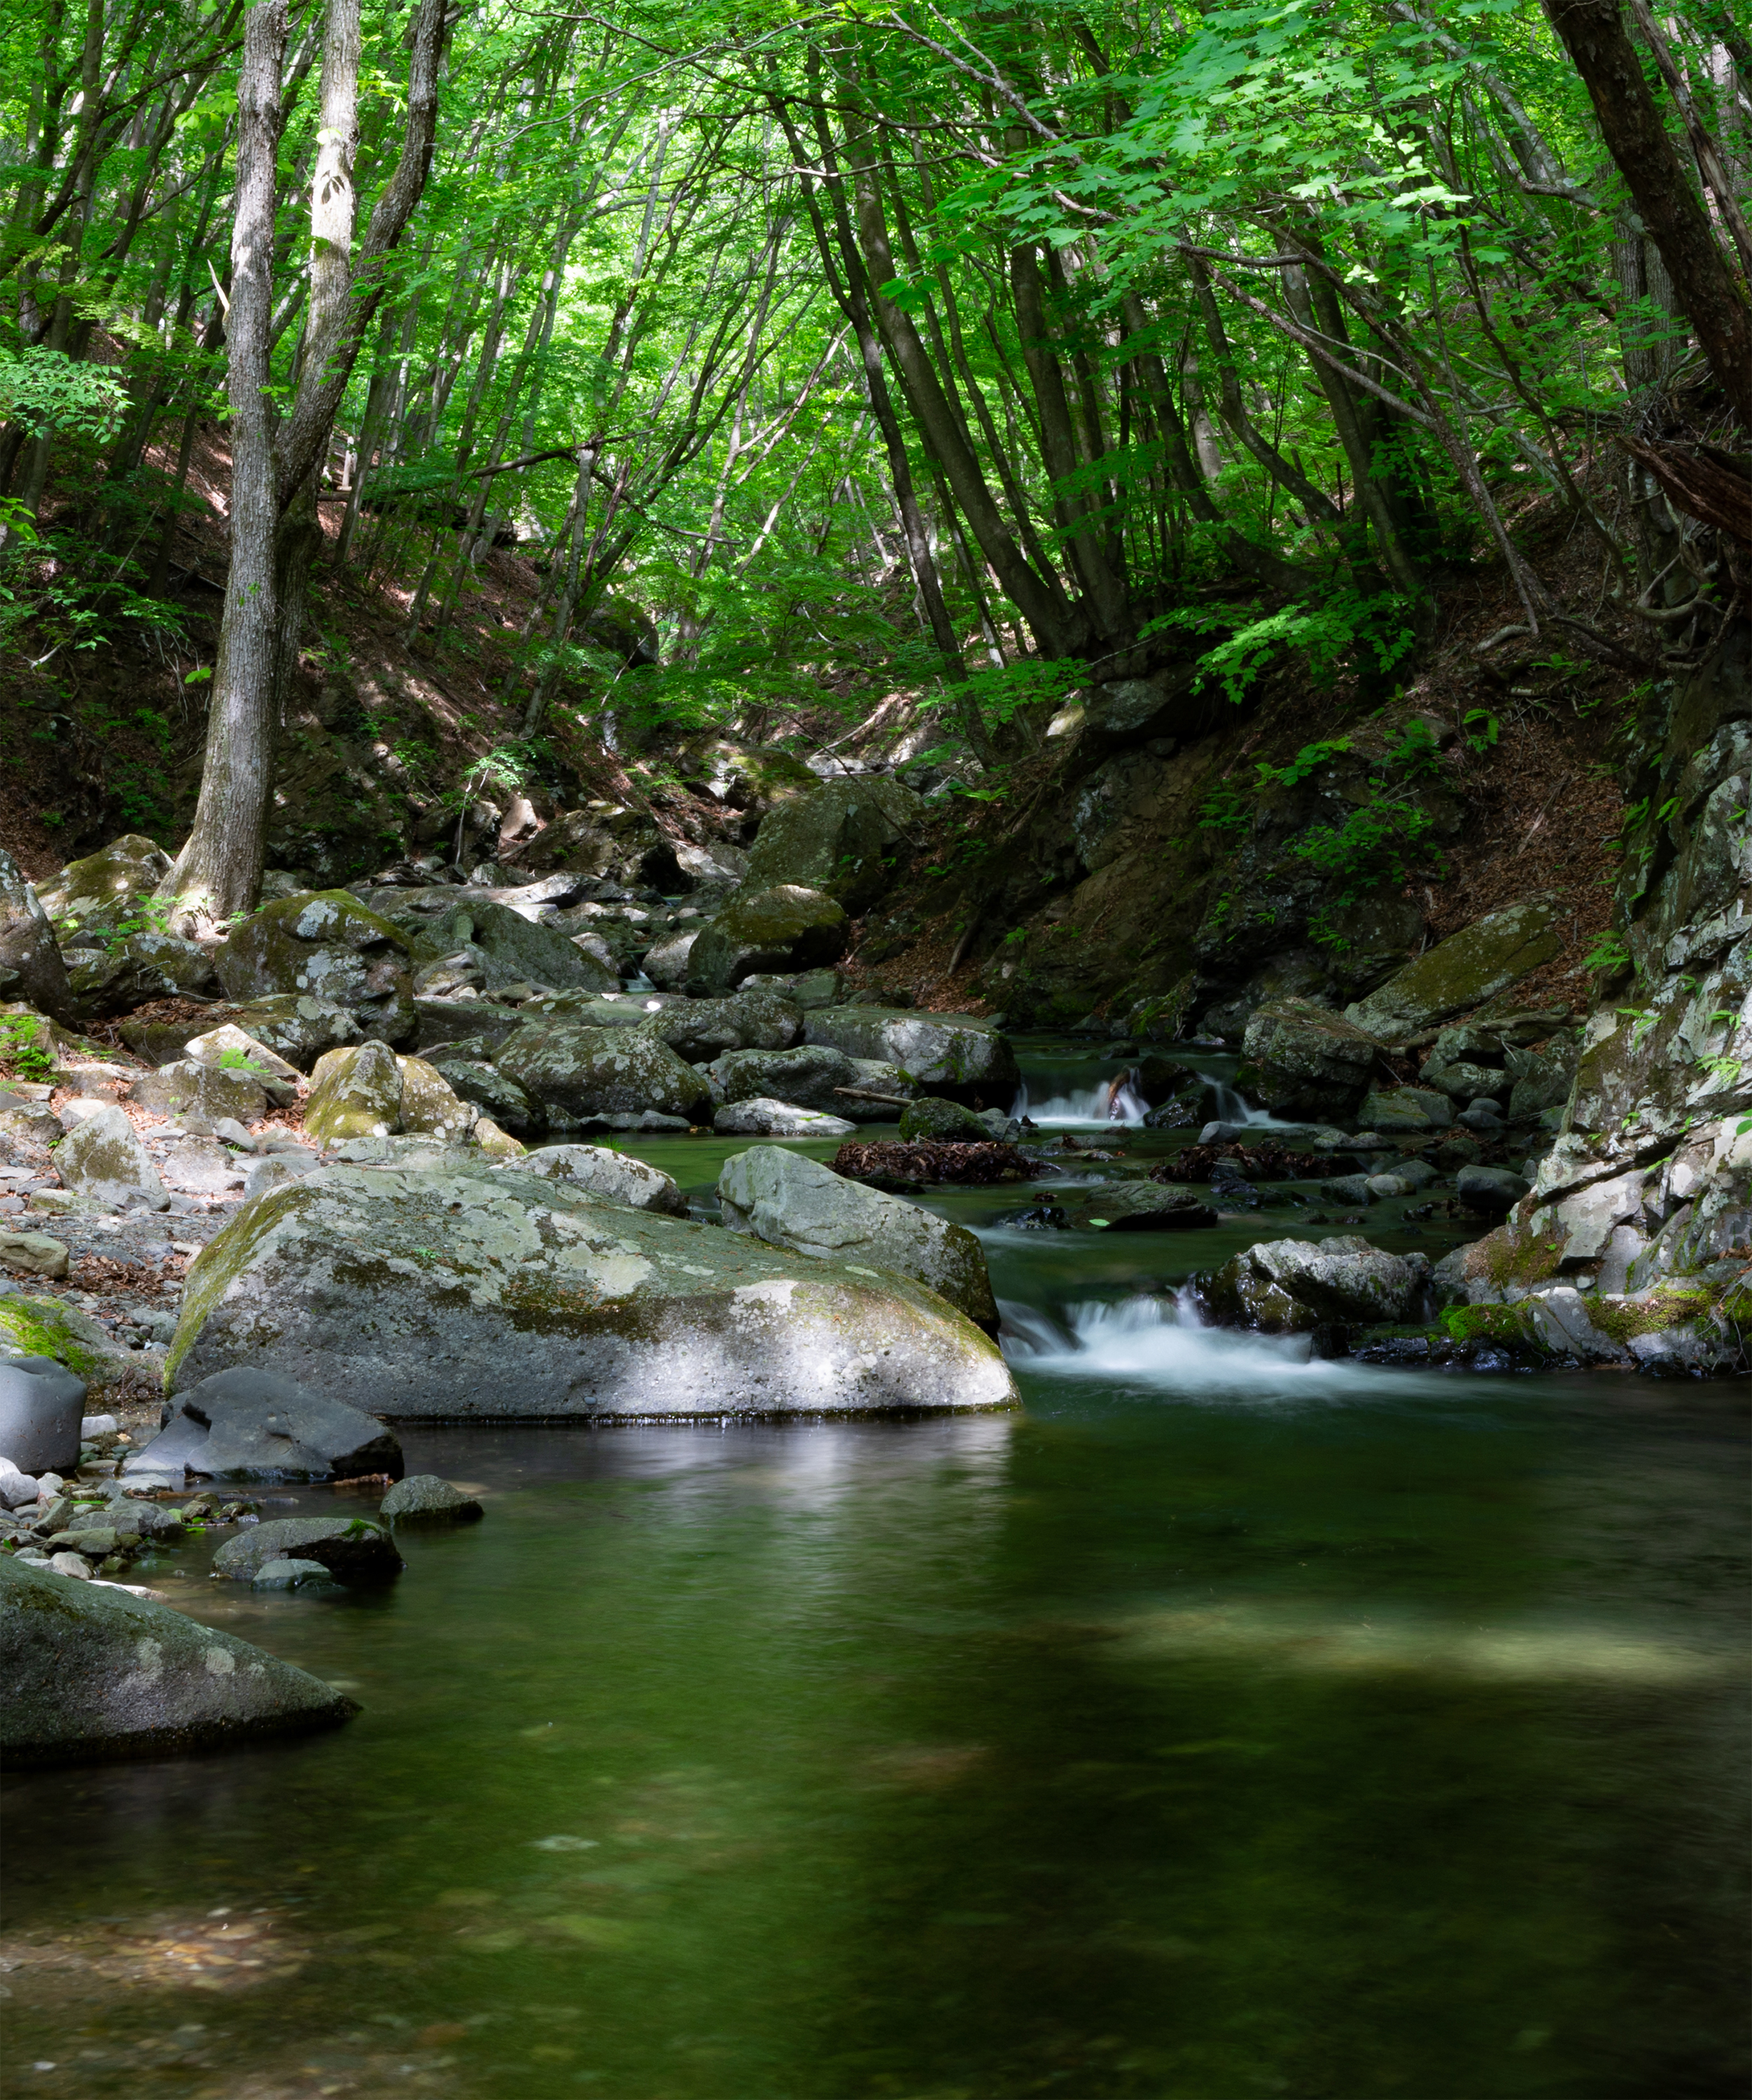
column 429, row 1106
column 934, row 1116
column 1301, row 1060
column 296, row 1026
column 354, row 1092
column 214, row 1091
column 263, row 1428
column 358, row 1549
column 107, row 982
column 698, row 1030
column 202, row 1166
column 768, row 1119
column 840, row 840
column 107, row 886
column 31, row 966
column 509, row 1105
column 615, row 1176
column 1411, row 1108
column 782, row 927
column 291, row 1575
column 515, row 950
column 33, row 1254
column 41, row 1407
column 103, row 1159
column 1495, row 1190
column 92, row 1672
column 588, row 1009
column 277, row 1168
column 1293, row 1285
column 794, row 1201
column 326, row 943
column 424, row 1499
column 31, row 1326
column 1474, row 965
column 586, row 1073
column 276, row 1075
column 471, row 1292
column 956, row 1055
column 444, row 1023
column 1146, row 1207
column 667, row 962
column 807, row 1078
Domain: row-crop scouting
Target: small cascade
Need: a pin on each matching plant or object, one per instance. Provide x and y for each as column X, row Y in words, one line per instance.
column 1109, row 1100
column 1160, row 1343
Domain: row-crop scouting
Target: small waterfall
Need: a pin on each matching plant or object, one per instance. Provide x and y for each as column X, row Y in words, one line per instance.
column 1159, row 1342
column 1109, row 1100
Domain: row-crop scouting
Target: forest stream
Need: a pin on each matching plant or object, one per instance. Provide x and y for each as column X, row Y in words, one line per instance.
column 1226, row 1723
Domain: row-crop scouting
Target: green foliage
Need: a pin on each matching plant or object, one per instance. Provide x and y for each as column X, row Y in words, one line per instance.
column 23, row 1049
column 45, row 390
column 1609, row 954
column 1346, row 632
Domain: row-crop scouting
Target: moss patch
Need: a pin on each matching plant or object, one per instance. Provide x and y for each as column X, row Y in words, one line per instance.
column 1670, row 1307
column 45, row 1327
column 1515, row 1254
column 1507, row 1324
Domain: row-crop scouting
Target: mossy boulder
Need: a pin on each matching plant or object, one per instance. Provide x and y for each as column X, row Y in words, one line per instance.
column 936, row 1116
column 774, row 929
column 843, row 839
column 325, row 943
column 101, row 1157
column 959, row 1056
column 1415, row 1110
column 51, row 1327
column 513, row 949
column 580, row 1074
column 698, row 1030
column 480, row 1293
column 1293, row 1286
column 354, row 1549
column 1490, row 955
column 107, row 982
column 1304, row 1060
column 354, row 1092
column 99, row 892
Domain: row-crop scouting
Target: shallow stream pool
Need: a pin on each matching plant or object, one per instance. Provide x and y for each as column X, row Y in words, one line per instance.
column 1225, row 1725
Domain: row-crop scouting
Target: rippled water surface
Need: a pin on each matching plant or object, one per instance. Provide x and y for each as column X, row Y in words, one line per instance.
column 1226, row 1725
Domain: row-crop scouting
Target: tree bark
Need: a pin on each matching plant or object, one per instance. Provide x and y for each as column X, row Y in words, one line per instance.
column 1594, row 35
column 219, row 869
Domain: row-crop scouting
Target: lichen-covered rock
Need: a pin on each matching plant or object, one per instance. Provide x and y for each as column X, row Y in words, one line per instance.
column 31, row 966
column 837, row 841
column 235, row 1049
column 616, row 1177
column 1486, row 957
column 92, row 1672
column 106, row 982
column 580, row 1075
column 698, row 1030
column 443, row 1024
column 99, row 892
column 101, row 1157
column 324, row 942
column 1303, row 1060
column 761, row 1118
column 809, row 1077
column 783, row 927
column 430, row 1107
column 791, row 1201
column 1292, row 1286
column 425, row 1498
column 210, row 1090
column 956, row 1055
column 354, row 1092
column 514, row 949
column 510, row 1106
column 481, row 1293
column 1413, row 1108
column 357, row 1549
column 668, row 962
column 933, row 1115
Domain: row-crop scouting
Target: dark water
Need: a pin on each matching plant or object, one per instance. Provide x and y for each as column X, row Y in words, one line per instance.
column 1224, row 1726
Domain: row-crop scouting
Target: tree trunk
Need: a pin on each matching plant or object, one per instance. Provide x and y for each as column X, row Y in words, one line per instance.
column 219, row 869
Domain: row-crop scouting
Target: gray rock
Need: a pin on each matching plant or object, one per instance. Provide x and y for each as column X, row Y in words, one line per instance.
column 809, row 1077
column 259, row 1427
column 615, row 1177
column 449, row 1023
column 931, row 1115
column 103, row 1159
column 957, row 1055
column 356, row 1549
column 296, row 1026
column 769, row 1119
column 202, row 1166
column 292, row 1575
column 107, row 982
column 794, row 1201
column 17, row 1488
column 698, row 1030
column 835, row 840
column 1302, row 1060
column 425, row 1498
column 226, row 1044
column 1461, row 1080
column 1148, row 1206
column 511, row 1106
column 1474, row 965
column 41, row 1406
column 354, row 1092
column 1413, row 1108
column 1293, row 1285
column 188, row 1086
column 92, row 1672
column 667, row 962
column 276, row 1169
column 582, row 1073
column 97, row 893
column 1484, row 1117
column 474, row 1293
column 33, row 1254
column 31, row 966
column 170, row 1453
column 1353, row 1189
column 1495, row 1190
column 325, row 943
column 773, row 929
column 514, row 949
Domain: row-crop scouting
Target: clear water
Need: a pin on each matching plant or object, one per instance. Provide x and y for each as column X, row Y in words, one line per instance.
column 1225, row 1725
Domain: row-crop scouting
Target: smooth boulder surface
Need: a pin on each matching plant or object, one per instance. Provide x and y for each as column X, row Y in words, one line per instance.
column 325, row 943
column 224, row 1046
column 33, row 1254
column 1146, row 1207
column 784, row 927
column 1290, row 1286
column 1495, row 1190
column 214, row 1091
column 668, row 962
column 1414, row 1109
column 103, row 1159
column 425, row 1498
column 1303, row 1060
column 1475, row 964
column 356, row 1549
column 253, row 1425
column 580, row 1074
column 837, row 840
column 92, row 1672
column 616, row 1177
column 957, row 1055
column 795, row 1202
column 761, row 1118
column 473, row 1293
column 41, row 1407
column 809, row 1077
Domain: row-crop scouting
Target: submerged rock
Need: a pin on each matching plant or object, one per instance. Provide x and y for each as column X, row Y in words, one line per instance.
column 92, row 1672
column 356, row 1549
column 1145, row 1206
column 478, row 1292
column 425, row 1498
column 795, row 1202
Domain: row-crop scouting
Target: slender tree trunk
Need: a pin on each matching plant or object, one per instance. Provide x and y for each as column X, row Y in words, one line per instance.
column 219, row 869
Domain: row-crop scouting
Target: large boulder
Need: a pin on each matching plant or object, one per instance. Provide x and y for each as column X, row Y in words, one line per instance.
column 115, row 980
column 580, row 1075
column 426, row 1498
column 812, row 1076
column 1485, row 959
column 492, row 1092
column 783, row 927
column 479, row 1293
column 99, row 891
column 354, row 1092
column 1304, row 1060
column 794, row 1201
column 934, row 1115
column 31, row 968
column 325, row 943
column 214, row 1091
column 41, row 1404
column 698, row 1030
column 357, row 1549
column 297, row 1026
column 514, row 949
column 668, row 961
column 616, row 1177
column 768, row 1119
column 842, row 840
column 101, row 1157
column 92, row 1672
column 251, row 1425
column 31, row 1326
column 231, row 1048
column 958, row 1055
column 1292, row 1286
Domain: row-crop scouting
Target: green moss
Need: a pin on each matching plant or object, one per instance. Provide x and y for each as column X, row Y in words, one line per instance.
column 41, row 1327
column 1489, row 1323
column 1670, row 1306
column 1516, row 1253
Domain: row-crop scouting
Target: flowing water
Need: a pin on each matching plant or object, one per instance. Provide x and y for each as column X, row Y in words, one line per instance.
column 1226, row 1724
